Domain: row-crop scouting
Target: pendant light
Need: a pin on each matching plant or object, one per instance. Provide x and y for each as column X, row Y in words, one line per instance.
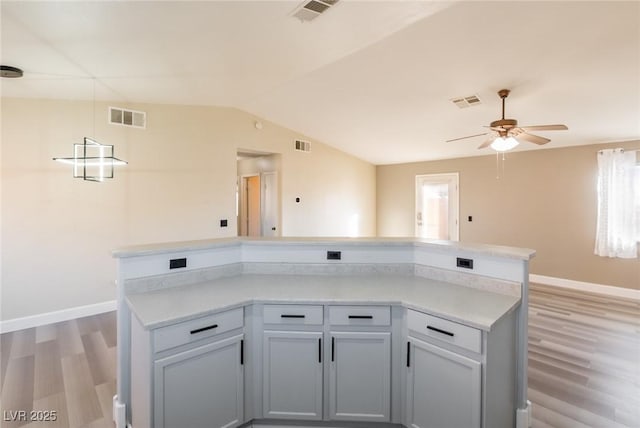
column 91, row 160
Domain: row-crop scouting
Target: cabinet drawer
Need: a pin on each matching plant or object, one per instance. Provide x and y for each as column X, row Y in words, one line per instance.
column 447, row 331
column 189, row 331
column 293, row 314
column 359, row 315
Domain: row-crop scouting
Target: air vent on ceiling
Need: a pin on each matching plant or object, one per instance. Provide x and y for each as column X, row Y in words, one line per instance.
column 302, row 146
column 310, row 10
column 464, row 102
column 126, row 117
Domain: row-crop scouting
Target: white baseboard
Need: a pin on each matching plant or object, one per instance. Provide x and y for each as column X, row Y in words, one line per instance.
column 608, row 290
column 56, row 316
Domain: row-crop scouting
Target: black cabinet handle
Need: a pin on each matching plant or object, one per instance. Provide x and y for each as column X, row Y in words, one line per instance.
column 333, row 348
column 291, row 316
column 360, row 317
column 242, row 352
column 448, row 333
column 319, row 350
column 200, row 330
column 408, row 354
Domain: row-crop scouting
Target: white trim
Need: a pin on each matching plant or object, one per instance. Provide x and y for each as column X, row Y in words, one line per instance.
column 609, row 290
column 56, row 316
column 523, row 417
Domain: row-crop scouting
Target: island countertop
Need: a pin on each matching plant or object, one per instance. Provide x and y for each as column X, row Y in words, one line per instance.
column 473, row 307
column 437, row 245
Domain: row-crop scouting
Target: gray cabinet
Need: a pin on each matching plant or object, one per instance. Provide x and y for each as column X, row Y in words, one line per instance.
column 444, row 373
column 292, row 375
column 443, row 388
column 201, row 387
column 359, row 379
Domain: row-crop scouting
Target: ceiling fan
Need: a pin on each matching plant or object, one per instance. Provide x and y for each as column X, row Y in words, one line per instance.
column 506, row 134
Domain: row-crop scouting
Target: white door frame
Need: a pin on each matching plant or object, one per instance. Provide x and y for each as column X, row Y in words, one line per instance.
column 454, row 202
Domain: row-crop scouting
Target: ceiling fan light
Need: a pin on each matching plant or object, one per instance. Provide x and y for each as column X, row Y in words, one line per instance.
column 501, row 144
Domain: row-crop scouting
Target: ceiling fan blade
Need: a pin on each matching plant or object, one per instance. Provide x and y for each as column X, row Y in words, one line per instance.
column 535, row 139
column 469, row 136
column 545, row 128
column 487, row 142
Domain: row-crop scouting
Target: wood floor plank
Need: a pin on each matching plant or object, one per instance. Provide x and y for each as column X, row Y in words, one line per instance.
column 6, row 340
column 82, row 401
column 105, row 393
column 23, row 343
column 87, row 325
column 69, row 337
column 108, row 328
column 52, row 403
column 48, row 370
column 100, row 358
column 46, row 333
column 549, row 409
column 17, row 395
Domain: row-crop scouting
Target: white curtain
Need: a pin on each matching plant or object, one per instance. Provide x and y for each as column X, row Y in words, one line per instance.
column 617, row 228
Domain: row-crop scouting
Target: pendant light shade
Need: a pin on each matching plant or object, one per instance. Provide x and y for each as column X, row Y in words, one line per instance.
column 92, row 161
column 502, row 144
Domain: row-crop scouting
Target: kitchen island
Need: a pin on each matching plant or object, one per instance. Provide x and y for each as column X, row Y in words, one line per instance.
column 416, row 312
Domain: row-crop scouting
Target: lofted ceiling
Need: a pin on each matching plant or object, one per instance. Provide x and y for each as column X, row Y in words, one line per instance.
column 372, row 78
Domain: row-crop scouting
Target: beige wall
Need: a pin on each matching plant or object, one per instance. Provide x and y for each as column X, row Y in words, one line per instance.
column 58, row 232
column 544, row 199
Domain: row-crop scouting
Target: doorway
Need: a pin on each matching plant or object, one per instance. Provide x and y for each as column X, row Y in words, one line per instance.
column 437, row 206
column 258, row 194
column 249, row 221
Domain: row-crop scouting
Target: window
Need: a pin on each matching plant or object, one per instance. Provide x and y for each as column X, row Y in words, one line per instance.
column 618, row 224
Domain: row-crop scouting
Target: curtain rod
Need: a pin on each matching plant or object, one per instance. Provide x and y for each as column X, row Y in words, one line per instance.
column 624, row 150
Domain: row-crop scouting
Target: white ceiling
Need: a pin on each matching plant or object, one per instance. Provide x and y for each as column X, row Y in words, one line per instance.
column 372, row 78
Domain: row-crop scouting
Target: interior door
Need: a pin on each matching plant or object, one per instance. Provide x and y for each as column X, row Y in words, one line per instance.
column 437, row 206
column 249, row 211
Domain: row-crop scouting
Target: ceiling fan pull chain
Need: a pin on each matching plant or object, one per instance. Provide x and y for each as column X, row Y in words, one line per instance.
column 497, row 165
column 503, row 158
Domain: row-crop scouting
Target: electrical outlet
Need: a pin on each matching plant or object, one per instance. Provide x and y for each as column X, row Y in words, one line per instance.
column 464, row 263
column 223, row 223
column 178, row 263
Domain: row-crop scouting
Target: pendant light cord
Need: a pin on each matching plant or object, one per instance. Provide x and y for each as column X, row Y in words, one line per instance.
column 94, row 107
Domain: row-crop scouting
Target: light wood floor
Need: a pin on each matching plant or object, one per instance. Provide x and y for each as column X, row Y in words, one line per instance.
column 584, row 359
column 584, row 365
column 68, row 367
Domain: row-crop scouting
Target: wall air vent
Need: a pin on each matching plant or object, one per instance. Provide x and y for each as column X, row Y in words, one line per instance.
column 464, row 102
column 302, row 146
column 310, row 10
column 125, row 117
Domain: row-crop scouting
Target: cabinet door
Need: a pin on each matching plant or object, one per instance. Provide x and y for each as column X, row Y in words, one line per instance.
column 292, row 375
column 201, row 387
column 359, row 381
column 443, row 388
